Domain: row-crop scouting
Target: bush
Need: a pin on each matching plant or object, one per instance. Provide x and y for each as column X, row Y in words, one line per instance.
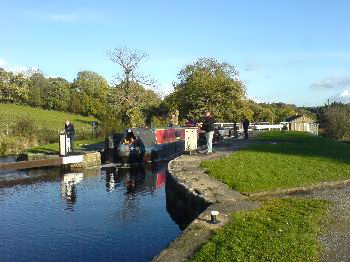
column 46, row 135
column 337, row 121
column 24, row 127
column 10, row 145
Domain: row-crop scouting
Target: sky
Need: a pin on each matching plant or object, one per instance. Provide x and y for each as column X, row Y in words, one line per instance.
column 292, row 51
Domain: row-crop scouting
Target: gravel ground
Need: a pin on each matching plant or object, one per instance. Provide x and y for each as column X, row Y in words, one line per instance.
column 335, row 236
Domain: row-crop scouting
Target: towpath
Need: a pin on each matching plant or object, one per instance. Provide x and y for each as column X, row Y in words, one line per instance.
column 335, row 234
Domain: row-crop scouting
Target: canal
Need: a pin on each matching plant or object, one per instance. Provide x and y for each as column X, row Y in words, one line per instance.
column 97, row 215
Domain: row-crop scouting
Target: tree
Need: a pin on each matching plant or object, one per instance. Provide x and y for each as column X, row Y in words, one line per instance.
column 13, row 87
column 129, row 61
column 89, row 94
column 135, row 103
column 209, row 85
column 58, row 94
column 337, row 120
column 38, row 87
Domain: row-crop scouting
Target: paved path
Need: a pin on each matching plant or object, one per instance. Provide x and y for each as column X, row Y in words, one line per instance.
column 335, row 236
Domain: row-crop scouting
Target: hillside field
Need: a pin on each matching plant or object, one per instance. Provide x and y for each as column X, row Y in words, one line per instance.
column 52, row 120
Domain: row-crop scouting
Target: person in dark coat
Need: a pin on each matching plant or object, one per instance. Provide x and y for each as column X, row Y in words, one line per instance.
column 245, row 127
column 70, row 132
column 130, row 138
column 208, row 127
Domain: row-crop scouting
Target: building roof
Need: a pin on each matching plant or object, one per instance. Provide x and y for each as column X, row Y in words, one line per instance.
column 292, row 118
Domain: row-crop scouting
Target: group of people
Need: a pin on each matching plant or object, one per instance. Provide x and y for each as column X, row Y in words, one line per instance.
column 208, row 127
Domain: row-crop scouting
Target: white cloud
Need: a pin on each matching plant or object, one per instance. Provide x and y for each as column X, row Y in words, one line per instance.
column 345, row 94
column 342, row 97
column 332, row 82
column 2, row 63
column 26, row 70
column 256, row 99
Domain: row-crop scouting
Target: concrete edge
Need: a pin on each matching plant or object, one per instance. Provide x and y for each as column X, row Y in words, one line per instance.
column 186, row 173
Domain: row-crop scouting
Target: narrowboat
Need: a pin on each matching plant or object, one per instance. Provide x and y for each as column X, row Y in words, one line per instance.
column 145, row 145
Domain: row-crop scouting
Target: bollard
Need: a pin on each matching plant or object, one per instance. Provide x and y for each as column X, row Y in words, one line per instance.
column 213, row 215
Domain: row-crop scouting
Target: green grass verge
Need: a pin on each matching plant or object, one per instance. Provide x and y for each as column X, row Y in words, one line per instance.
column 282, row 230
column 295, row 159
column 54, row 147
column 49, row 119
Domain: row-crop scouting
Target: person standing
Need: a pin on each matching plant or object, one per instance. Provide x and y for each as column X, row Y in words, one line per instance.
column 208, row 127
column 70, row 132
column 245, row 128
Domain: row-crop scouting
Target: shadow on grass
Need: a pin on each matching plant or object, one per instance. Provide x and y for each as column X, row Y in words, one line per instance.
column 92, row 147
column 303, row 144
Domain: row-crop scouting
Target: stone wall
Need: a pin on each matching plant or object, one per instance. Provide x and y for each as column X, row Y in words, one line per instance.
column 91, row 160
column 192, row 191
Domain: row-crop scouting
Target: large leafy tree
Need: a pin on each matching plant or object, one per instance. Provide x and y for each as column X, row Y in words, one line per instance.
column 89, row 94
column 38, row 88
column 135, row 103
column 14, row 88
column 57, row 94
column 209, row 85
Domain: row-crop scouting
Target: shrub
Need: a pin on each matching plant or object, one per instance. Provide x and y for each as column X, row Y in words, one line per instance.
column 10, row 145
column 337, row 121
column 47, row 135
column 24, row 127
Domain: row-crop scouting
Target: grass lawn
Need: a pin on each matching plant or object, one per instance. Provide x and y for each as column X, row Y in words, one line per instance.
column 54, row 147
column 282, row 230
column 294, row 159
column 43, row 118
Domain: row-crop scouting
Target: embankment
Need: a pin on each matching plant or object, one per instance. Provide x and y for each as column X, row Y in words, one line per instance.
column 192, row 193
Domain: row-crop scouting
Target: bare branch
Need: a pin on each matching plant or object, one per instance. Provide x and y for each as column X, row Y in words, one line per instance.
column 129, row 61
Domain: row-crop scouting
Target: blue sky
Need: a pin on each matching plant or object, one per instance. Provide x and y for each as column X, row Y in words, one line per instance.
column 294, row 51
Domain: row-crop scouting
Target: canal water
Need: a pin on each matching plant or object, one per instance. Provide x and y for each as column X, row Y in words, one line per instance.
column 100, row 215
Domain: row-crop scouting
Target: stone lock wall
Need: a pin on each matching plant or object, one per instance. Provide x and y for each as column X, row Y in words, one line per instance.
column 91, row 159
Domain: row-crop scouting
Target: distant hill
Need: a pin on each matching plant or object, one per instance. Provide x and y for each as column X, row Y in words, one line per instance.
column 43, row 119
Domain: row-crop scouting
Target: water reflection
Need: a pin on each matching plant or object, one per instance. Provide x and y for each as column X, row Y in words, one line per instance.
column 132, row 181
column 114, row 215
column 7, row 159
column 135, row 183
column 112, row 179
column 68, row 188
column 135, row 180
column 9, row 178
column 182, row 206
